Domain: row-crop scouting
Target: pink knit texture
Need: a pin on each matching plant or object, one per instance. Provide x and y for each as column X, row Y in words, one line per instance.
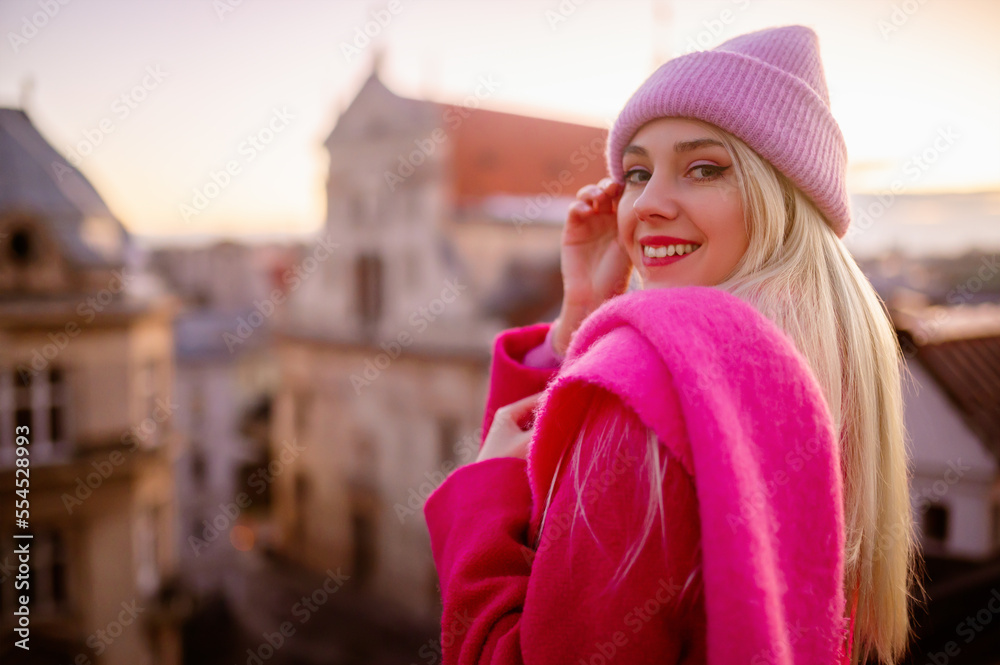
column 736, row 405
column 768, row 89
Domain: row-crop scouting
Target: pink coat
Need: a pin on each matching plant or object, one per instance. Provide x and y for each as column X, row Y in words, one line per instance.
column 748, row 567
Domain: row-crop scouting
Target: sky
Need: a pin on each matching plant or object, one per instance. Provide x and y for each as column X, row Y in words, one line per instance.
column 154, row 99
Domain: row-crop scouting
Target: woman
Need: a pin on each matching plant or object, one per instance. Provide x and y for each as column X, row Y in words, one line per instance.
column 716, row 471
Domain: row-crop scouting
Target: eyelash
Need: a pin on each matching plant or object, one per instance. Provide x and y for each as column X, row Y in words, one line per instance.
column 719, row 171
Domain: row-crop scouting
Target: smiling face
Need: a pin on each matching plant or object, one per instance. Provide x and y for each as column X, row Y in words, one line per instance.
column 680, row 216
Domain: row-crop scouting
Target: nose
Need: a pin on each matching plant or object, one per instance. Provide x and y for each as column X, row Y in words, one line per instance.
column 657, row 201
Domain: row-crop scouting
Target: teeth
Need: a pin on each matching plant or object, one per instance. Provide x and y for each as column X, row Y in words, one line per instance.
column 660, row 251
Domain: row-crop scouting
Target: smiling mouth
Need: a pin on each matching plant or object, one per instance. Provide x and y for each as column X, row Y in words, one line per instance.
column 661, row 255
column 660, row 251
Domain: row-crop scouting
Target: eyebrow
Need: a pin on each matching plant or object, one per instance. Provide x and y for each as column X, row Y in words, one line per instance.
column 680, row 146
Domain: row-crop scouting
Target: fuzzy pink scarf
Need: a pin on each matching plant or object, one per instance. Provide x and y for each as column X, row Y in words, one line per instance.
column 762, row 453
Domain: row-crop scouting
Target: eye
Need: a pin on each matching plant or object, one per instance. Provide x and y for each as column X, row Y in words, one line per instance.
column 632, row 176
column 709, row 171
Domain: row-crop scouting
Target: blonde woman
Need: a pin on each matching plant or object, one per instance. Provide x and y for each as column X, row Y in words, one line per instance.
column 711, row 468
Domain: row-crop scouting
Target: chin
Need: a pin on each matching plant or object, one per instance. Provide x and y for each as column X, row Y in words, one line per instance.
column 664, row 282
column 653, row 284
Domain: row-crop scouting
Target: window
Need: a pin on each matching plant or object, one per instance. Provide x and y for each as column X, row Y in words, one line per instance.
column 48, row 575
column 49, row 566
column 197, row 527
column 254, row 480
column 363, row 529
column 448, row 431
column 365, row 462
column 57, row 406
column 935, row 523
column 147, row 543
column 37, row 400
column 197, row 465
column 303, row 408
column 21, row 247
column 302, row 498
column 197, row 423
column 148, row 393
column 368, row 278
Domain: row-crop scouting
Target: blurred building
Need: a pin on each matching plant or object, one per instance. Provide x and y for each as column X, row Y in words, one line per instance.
column 225, row 374
column 86, row 367
column 953, row 419
column 442, row 229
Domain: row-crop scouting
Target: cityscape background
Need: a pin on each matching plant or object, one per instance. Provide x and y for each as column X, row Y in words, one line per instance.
column 254, row 255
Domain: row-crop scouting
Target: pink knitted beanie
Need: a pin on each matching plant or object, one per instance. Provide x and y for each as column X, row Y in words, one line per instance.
column 768, row 89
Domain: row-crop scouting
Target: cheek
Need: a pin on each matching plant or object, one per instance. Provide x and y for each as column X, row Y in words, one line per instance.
column 626, row 223
column 726, row 211
column 733, row 229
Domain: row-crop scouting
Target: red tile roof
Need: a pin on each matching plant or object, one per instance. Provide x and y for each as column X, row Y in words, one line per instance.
column 504, row 153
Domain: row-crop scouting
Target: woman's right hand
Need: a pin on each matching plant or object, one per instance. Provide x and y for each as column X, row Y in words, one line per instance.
column 594, row 265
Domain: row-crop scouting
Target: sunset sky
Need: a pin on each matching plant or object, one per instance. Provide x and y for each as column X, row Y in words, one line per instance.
column 900, row 73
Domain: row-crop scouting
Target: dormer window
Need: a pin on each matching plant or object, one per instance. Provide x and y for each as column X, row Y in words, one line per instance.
column 21, row 248
column 30, row 262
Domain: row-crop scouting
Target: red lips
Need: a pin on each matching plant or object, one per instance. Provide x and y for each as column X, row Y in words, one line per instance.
column 665, row 240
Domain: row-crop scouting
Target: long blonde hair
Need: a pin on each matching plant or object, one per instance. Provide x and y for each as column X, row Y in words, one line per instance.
column 798, row 273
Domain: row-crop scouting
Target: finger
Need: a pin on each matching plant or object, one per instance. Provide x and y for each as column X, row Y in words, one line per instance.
column 590, row 194
column 603, row 203
column 615, row 194
column 521, row 447
column 609, row 191
column 580, row 209
column 515, row 410
column 525, row 404
column 504, row 428
column 518, row 412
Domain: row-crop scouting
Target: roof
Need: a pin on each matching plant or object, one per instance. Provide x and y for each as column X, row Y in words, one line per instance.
column 969, row 372
column 36, row 180
column 496, row 152
column 377, row 111
column 959, row 346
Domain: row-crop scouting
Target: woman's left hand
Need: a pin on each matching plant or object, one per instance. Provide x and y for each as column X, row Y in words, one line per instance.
column 506, row 438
